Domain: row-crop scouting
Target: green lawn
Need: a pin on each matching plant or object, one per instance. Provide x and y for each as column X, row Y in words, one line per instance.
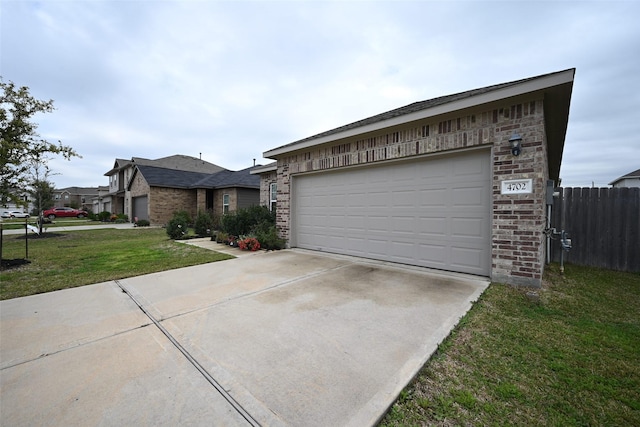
column 18, row 223
column 571, row 359
column 76, row 258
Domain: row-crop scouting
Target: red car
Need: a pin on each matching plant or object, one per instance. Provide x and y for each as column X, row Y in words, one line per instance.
column 64, row 212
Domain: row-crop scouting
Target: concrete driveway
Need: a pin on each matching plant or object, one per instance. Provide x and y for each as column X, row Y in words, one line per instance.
column 270, row 338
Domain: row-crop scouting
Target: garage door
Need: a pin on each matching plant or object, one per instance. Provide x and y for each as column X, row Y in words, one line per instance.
column 431, row 213
column 140, row 207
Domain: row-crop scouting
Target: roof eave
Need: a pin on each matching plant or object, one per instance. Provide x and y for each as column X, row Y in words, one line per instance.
column 263, row 169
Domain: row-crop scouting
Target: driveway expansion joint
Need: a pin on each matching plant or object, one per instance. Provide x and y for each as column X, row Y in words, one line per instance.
column 224, row 393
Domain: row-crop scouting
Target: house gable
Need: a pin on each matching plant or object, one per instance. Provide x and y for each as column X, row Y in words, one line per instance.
column 632, row 179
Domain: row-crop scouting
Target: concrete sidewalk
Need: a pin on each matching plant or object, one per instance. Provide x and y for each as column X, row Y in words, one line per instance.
column 95, row 226
column 269, row 338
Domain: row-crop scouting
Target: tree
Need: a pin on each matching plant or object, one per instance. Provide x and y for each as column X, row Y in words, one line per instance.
column 21, row 146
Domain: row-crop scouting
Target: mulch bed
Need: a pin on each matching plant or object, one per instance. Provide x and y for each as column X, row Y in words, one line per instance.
column 40, row 236
column 6, row 264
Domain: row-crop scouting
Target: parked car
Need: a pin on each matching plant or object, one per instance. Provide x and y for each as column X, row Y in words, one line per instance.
column 18, row 214
column 64, row 212
column 14, row 214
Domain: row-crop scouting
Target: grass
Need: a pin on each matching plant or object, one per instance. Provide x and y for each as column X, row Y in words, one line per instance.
column 571, row 359
column 77, row 258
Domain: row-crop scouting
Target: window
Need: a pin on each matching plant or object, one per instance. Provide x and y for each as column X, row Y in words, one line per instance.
column 273, row 192
column 225, row 203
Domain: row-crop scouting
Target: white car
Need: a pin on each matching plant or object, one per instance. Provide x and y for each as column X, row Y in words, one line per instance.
column 15, row 214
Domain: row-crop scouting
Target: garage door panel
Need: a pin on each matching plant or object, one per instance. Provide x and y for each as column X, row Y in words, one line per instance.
column 467, row 257
column 432, row 213
column 355, row 222
column 377, row 248
column 468, row 166
column 377, row 224
column 471, row 196
column 402, row 252
column 431, row 197
column 403, row 198
column 435, row 253
column 467, row 227
column 403, row 225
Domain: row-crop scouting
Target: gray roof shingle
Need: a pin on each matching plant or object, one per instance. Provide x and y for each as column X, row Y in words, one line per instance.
column 174, row 178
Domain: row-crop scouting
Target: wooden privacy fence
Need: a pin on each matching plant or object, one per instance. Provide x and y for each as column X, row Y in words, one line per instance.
column 604, row 224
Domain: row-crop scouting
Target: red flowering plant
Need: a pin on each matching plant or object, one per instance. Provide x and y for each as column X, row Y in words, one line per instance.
column 249, row 244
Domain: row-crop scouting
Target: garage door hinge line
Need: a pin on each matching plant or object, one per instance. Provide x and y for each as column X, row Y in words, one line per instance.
column 193, row 361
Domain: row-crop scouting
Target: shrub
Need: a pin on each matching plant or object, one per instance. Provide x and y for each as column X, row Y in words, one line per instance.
column 230, row 223
column 249, row 244
column 203, row 224
column 222, row 237
column 177, row 226
column 245, row 220
column 104, row 216
column 183, row 216
column 143, row 223
column 268, row 237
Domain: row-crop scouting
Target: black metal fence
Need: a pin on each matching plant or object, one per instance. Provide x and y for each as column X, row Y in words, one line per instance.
column 604, row 224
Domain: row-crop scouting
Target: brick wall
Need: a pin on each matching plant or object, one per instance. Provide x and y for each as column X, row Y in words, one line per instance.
column 217, row 200
column 266, row 179
column 201, row 200
column 518, row 221
column 139, row 187
column 164, row 202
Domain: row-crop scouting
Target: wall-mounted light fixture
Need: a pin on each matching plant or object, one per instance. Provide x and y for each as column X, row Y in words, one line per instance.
column 515, row 143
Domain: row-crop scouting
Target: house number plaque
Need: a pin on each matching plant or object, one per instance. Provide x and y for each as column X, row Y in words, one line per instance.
column 517, row 186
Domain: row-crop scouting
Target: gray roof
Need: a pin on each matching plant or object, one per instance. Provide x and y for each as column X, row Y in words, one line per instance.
column 226, row 178
column 181, row 162
column 86, row 191
column 175, row 178
column 177, row 161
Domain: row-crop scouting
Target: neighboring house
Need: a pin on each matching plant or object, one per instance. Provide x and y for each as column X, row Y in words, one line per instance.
column 157, row 193
column 122, row 171
column 632, row 179
column 76, row 197
column 102, row 202
column 26, row 203
column 435, row 184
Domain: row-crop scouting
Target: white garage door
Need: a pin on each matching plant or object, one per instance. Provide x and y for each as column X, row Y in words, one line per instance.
column 431, row 212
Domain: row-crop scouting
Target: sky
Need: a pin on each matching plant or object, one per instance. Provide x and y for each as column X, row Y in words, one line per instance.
column 229, row 80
